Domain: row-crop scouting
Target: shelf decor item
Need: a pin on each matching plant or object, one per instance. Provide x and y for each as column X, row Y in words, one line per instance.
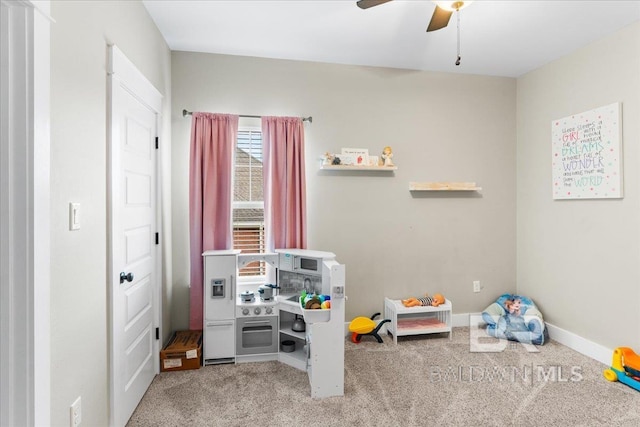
column 355, row 156
column 355, row 159
column 387, row 156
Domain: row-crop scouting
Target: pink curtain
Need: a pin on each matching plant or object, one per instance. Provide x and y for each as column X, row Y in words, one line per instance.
column 213, row 138
column 284, row 182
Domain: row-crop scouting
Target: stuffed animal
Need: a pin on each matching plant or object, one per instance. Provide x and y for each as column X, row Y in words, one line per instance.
column 433, row 301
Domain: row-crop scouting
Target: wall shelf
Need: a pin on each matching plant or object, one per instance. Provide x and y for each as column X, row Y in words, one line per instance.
column 443, row 186
column 359, row 168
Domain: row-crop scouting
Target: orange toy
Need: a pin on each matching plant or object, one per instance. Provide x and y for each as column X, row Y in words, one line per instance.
column 434, row 301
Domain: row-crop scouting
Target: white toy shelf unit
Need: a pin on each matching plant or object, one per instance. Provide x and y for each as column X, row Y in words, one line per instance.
column 419, row 320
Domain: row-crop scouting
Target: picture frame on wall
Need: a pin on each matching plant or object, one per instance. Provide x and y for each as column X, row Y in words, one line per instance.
column 587, row 154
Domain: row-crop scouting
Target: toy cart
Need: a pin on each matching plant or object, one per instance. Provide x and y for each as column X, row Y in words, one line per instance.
column 625, row 368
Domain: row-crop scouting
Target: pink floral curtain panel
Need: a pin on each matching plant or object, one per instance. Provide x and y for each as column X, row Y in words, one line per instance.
column 284, row 182
column 213, row 140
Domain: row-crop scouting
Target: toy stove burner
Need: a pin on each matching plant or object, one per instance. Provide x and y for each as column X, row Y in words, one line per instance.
column 255, row 307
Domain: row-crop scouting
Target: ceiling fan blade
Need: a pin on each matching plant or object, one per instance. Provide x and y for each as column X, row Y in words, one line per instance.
column 366, row 4
column 439, row 20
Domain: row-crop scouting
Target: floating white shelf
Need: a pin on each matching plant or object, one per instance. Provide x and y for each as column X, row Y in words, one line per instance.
column 359, row 168
column 443, row 186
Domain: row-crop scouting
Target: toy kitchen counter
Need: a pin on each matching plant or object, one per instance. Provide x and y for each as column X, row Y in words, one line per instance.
column 311, row 340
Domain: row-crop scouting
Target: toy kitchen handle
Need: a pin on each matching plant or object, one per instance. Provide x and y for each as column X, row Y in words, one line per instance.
column 214, row 324
column 233, row 288
column 257, row 322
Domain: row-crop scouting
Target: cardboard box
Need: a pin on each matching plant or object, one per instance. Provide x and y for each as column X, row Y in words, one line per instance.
column 182, row 352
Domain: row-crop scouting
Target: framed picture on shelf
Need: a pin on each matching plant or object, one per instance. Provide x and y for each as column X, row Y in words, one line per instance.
column 360, row 156
column 347, row 159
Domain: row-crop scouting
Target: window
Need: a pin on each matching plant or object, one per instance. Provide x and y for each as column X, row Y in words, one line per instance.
column 248, row 200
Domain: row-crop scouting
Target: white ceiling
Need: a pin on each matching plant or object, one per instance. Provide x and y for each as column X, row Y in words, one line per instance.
column 500, row 38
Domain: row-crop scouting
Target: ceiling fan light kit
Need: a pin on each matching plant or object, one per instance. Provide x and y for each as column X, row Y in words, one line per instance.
column 452, row 6
column 440, row 18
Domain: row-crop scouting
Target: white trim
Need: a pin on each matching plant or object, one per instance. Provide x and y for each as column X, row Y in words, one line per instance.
column 25, row 215
column 575, row 342
column 582, row 345
column 42, row 215
column 460, row 320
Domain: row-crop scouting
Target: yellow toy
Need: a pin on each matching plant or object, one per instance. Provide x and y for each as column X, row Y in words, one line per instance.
column 365, row 326
column 434, row 301
column 625, row 367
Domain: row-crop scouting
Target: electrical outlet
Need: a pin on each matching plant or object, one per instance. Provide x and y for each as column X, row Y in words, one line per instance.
column 76, row 412
column 476, row 286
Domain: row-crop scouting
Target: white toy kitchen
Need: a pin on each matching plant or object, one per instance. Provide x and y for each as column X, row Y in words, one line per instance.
column 257, row 322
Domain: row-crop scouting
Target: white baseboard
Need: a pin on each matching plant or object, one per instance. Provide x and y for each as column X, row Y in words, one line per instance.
column 581, row 345
column 460, row 320
column 575, row 342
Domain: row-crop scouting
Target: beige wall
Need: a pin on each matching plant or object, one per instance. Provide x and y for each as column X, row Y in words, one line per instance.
column 79, row 38
column 442, row 127
column 572, row 255
column 579, row 258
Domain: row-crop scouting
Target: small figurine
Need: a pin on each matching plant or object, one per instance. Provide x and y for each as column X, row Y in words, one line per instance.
column 336, row 160
column 387, row 155
column 328, row 158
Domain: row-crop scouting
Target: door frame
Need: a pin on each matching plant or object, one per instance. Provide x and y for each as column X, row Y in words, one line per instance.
column 123, row 72
column 25, row 351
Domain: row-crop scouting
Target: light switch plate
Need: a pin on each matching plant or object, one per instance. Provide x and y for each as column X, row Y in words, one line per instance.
column 74, row 216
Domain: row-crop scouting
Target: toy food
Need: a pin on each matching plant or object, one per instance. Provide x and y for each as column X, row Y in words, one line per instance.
column 313, row 304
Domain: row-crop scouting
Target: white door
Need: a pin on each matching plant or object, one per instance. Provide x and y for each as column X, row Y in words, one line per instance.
column 134, row 278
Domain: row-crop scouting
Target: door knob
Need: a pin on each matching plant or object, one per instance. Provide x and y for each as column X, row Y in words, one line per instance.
column 128, row 277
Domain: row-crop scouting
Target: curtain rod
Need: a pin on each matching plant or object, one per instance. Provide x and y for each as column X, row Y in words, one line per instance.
column 309, row 119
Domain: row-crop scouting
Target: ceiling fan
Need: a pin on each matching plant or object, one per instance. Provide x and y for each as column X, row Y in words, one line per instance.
column 439, row 19
column 441, row 14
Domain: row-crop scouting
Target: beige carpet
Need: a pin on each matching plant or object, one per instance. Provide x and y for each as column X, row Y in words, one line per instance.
column 423, row 381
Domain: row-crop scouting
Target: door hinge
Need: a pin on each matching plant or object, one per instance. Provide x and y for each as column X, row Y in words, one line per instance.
column 157, row 333
column 157, row 238
column 156, row 142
